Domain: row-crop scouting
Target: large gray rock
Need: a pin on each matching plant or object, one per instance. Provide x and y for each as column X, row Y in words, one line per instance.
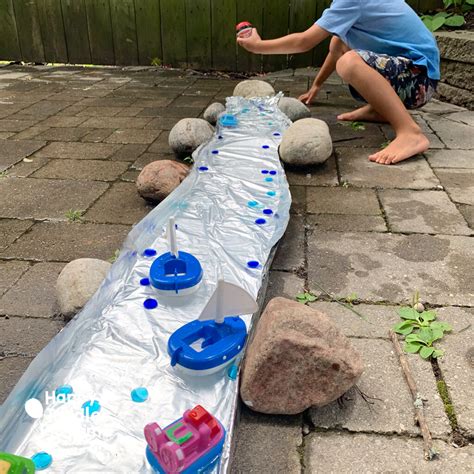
column 188, row 134
column 159, row 178
column 306, row 142
column 293, row 108
column 297, row 359
column 253, row 88
column 211, row 114
column 77, row 283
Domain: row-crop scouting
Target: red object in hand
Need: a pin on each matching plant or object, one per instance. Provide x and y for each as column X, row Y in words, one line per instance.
column 244, row 29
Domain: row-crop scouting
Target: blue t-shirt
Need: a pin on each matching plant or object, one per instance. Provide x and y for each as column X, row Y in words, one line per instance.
column 385, row 27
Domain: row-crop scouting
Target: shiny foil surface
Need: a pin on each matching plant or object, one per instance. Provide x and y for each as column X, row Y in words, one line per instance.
column 115, row 344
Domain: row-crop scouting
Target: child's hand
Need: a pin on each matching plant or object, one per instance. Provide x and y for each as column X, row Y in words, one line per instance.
column 251, row 43
column 308, row 97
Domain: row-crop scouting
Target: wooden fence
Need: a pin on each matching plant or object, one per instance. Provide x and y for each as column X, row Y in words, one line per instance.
column 183, row 33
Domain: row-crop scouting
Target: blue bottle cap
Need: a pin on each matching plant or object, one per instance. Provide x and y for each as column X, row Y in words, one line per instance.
column 276, row 134
column 252, row 204
column 150, row 303
column 265, row 147
column 273, row 172
column 139, row 394
column 268, row 212
column 271, row 193
column 268, row 180
column 203, row 168
column 145, row 281
column 260, row 221
column 253, row 264
column 149, row 253
column 42, row 460
column 215, row 152
column 265, row 171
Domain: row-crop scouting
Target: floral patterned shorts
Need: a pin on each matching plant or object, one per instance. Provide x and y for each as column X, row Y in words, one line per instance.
column 409, row 81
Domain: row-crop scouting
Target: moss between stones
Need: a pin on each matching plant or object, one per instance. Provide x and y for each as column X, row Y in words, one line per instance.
column 448, row 406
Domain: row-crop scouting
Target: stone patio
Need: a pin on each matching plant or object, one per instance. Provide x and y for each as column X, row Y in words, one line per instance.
column 75, row 138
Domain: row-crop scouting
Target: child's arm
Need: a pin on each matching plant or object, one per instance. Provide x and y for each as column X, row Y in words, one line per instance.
column 290, row 44
column 326, row 70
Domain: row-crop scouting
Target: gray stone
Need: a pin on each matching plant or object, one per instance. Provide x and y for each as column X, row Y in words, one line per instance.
column 119, row 205
column 341, row 200
column 62, row 242
column 459, row 183
column 212, row 113
column 455, row 135
column 78, row 151
column 43, row 198
column 267, row 444
column 390, row 408
column 306, row 142
column 26, row 336
column 96, row 170
column 296, row 359
column 11, row 229
column 466, row 118
column 284, row 284
column 356, row 169
column 33, row 295
column 298, row 200
column 293, row 108
column 456, row 45
column 11, row 369
column 438, row 107
column 450, row 158
column 429, row 212
column 384, row 267
column 253, row 88
column 346, row 453
column 468, row 214
column 457, row 368
column 324, row 174
column 347, row 223
column 133, row 136
column 290, row 253
column 12, row 151
column 10, row 273
column 78, row 282
column 188, row 134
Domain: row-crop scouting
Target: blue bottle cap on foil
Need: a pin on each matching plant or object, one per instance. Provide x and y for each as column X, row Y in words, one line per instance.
column 149, row 253
column 265, row 147
column 252, row 204
column 276, row 134
column 228, row 120
column 265, row 171
column 260, row 221
column 271, row 193
column 203, row 168
column 145, row 281
column 42, row 460
column 268, row 180
column 215, row 152
column 150, row 303
column 273, row 172
column 253, row 264
column 139, row 394
column 268, row 212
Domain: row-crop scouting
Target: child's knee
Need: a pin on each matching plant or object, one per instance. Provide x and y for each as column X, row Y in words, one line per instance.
column 346, row 63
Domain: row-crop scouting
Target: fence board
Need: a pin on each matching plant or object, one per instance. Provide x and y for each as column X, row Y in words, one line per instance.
column 99, row 26
column 198, row 32
column 275, row 24
column 148, row 31
column 77, row 35
column 9, row 43
column 173, row 32
column 52, row 26
column 249, row 10
column 321, row 51
column 224, row 47
column 124, row 29
column 302, row 16
column 29, row 30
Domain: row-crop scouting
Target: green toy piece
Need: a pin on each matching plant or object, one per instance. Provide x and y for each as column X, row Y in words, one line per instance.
column 11, row 464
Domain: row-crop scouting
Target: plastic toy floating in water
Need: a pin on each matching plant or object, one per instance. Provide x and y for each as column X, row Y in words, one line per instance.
column 11, row 464
column 175, row 272
column 205, row 346
column 190, row 445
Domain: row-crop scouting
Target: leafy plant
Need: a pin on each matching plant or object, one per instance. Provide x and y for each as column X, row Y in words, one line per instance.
column 74, row 216
column 421, row 330
column 351, row 298
column 115, row 256
column 306, row 297
column 451, row 15
column 3, row 174
column 156, row 62
column 357, row 126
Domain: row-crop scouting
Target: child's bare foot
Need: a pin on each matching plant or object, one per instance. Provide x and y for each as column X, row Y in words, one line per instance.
column 404, row 146
column 363, row 114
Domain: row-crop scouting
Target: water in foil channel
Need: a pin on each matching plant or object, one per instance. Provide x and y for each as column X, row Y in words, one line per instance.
column 230, row 211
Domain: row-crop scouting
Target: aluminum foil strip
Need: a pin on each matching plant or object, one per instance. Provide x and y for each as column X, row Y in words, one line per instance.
column 115, row 345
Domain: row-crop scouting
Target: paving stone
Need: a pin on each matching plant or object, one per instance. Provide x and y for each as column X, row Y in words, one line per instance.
column 10, row 273
column 34, row 294
column 298, row 199
column 340, row 200
column 454, row 134
column 356, row 169
column 10, row 125
column 371, row 136
column 133, row 136
column 345, row 453
column 459, row 183
column 321, row 175
column 121, row 204
column 129, row 152
column 71, row 111
column 11, row 229
column 11, row 369
column 98, row 170
column 59, row 121
column 391, row 408
column 129, row 112
column 146, row 159
column 429, row 212
column 23, row 169
column 46, row 199
column 106, row 102
column 156, row 102
column 175, row 112
column 191, row 101
column 5, row 135
column 100, row 111
column 385, row 267
column 267, row 444
column 468, row 214
column 64, row 241
column 437, row 107
column 13, row 151
column 79, row 151
column 26, row 336
column 346, row 223
column 63, row 134
column 457, row 367
column 45, row 108
column 116, row 122
column 31, row 132
column 9, row 108
column 130, row 176
column 290, row 253
column 466, row 117
column 284, row 284
column 98, row 135
column 162, row 123
column 450, row 158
